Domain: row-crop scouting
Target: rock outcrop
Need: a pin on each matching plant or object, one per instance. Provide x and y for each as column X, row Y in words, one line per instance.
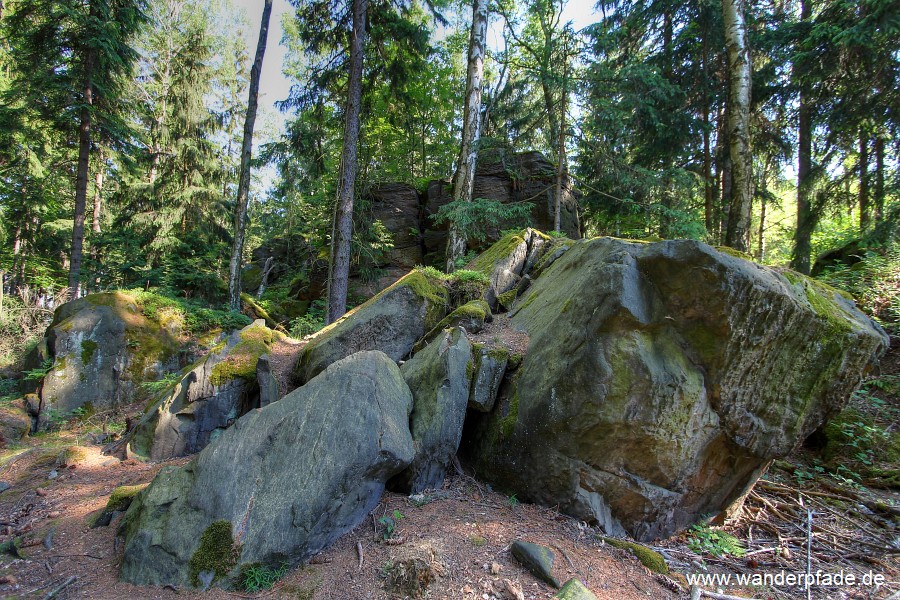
column 101, row 348
column 206, row 400
column 392, row 322
column 658, row 381
column 662, row 378
column 438, row 378
column 277, row 487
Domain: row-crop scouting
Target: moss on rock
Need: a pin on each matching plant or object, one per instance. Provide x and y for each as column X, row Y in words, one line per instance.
column 217, row 553
column 256, row 340
column 121, row 497
column 88, row 347
column 485, row 262
column 649, row 558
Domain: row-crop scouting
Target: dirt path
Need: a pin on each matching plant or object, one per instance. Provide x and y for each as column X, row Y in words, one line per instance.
column 459, row 536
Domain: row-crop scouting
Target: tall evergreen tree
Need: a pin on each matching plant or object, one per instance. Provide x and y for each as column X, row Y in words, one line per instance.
column 76, row 57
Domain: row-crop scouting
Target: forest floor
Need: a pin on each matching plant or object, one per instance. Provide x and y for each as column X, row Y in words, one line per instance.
column 457, row 539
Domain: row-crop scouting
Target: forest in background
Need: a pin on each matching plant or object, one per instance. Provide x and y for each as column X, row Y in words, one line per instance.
column 633, row 107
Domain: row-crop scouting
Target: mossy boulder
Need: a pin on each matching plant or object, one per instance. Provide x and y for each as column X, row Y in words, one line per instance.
column 503, row 263
column 102, row 347
column 662, row 378
column 288, row 479
column 438, row 377
column 207, row 399
column 391, row 322
column 649, row 557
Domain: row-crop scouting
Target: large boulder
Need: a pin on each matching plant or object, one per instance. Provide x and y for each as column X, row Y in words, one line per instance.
column 101, row 348
column 662, row 378
column 391, row 322
column 438, row 378
column 280, row 485
column 206, row 400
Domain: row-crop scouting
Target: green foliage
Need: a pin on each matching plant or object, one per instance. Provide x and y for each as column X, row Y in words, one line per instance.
column 703, row 539
column 477, row 218
column 9, row 389
column 512, row 501
column 389, row 523
column 875, row 282
column 256, row 578
column 40, row 372
column 157, row 387
column 310, row 322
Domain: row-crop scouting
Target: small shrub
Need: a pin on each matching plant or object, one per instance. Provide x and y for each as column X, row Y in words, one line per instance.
column 703, row 539
column 40, row 372
column 390, row 524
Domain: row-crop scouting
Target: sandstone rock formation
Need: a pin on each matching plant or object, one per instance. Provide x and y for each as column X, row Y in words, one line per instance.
column 101, row 348
column 661, row 379
column 206, row 400
column 281, row 484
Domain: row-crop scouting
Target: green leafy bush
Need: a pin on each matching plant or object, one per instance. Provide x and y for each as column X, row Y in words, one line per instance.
column 703, row 539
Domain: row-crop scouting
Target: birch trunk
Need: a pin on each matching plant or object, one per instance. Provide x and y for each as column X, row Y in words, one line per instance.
column 342, row 231
column 464, row 180
column 240, row 217
column 737, row 234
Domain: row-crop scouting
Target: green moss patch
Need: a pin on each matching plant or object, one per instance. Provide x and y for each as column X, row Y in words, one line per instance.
column 507, row 298
column 649, row 558
column 734, row 253
column 121, row 497
column 505, row 246
column 241, row 360
column 88, row 347
column 217, row 553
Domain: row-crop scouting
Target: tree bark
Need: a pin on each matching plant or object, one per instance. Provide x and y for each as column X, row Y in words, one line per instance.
column 95, row 220
column 863, row 193
column 342, row 231
column 464, row 180
column 737, row 235
column 561, row 147
column 879, row 179
column 240, row 217
column 806, row 220
column 81, row 176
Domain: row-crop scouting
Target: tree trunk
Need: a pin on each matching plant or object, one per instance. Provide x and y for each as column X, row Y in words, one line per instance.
column 737, row 235
column 879, row 179
column 561, row 147
column 806, row 220
column 95, row 220
column 240, row 217
column 342, row 231
column 863, row 194
column 464, row 180
column 81, row 176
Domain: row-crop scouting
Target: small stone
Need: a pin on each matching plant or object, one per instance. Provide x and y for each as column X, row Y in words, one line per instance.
column 41, row 492
column 53, row 474
column 537, row 559
column 575, row 590
column 4, row 486
column 495, row 568
column 54, row 514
